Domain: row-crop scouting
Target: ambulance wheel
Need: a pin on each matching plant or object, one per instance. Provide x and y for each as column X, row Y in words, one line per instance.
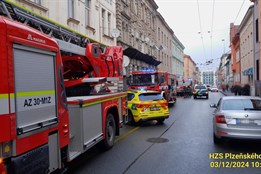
column 161, row 121
column 110, row 130
column 131, row 120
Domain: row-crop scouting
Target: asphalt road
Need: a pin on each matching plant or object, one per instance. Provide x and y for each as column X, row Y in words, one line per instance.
column 183, row 144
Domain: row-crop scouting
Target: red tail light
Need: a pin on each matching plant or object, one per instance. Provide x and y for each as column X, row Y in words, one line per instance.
column 140, row 105
column 220, row 119
column 2, row 167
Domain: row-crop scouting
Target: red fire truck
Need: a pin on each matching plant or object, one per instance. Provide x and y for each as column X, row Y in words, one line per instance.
column 154, row 80
column 182, row 85
column 51, row 110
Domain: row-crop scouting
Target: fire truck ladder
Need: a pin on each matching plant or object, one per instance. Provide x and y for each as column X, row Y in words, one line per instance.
column 67, row 39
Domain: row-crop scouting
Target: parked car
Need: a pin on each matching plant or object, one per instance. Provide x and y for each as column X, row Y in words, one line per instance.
column 214, row 89
column 199, row 91
column 147, row 105
column 237, row 117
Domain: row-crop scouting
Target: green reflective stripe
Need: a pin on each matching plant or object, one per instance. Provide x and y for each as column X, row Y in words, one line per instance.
column 12, row 95
column 3, row 96
column 34, row 93
column 100, row 101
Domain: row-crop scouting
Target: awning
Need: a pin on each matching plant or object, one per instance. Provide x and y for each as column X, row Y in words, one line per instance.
column 136, row 54
column 249, row 71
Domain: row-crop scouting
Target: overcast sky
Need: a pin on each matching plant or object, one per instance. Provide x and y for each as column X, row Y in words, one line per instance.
column 204, row 34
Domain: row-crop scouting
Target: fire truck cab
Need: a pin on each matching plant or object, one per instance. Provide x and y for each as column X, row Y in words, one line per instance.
column 154, row 80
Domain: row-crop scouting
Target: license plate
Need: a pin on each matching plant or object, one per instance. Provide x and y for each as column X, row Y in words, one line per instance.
column 245, row 121
column 155, row 108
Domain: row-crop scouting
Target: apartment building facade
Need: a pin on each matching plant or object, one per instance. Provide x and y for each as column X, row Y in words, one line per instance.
column 189, row 68
column 208, row 77
column 257, row 46
column 164, row 35
column 136, row 21
column 177, row 62
column 94, row 19
column 235, row 53
column 246, row 50
column 136, row 25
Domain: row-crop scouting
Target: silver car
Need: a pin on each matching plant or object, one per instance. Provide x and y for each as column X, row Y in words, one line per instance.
column 237, row 117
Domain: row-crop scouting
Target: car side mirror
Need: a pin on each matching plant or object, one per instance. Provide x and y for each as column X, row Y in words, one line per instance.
column 213, row 105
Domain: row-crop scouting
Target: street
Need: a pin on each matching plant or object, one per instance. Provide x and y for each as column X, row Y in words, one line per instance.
column 183, row 144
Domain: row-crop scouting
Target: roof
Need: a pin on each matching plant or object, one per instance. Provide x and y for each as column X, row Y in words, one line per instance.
column 240, row 97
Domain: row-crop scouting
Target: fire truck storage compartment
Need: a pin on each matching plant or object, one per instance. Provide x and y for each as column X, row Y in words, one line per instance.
column 85, row 125
column 35, row 90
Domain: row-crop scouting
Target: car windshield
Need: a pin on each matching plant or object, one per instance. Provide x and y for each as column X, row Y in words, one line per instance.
column 200, row 87
column 150, row 97
column 143, row 79
column 241, row 104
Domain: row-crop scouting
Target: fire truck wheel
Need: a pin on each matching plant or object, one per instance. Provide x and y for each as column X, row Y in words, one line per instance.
column 109, row 132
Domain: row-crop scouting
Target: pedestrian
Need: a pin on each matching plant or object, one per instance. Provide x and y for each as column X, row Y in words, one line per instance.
column 223, row 87
column 185, row 91
column 227, row 87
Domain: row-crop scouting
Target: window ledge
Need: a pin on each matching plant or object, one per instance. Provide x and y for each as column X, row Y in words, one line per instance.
column 72, row 20
column 107, row 36
column 40, row 7
column 88, row 27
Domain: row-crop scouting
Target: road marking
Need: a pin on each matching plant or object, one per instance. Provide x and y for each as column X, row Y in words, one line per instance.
column 126, row 134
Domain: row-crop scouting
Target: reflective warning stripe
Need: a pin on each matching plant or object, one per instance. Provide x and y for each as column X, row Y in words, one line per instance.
column 31, row 100
column 4, row 105
column 12, row 103
column 4, row 99
column 100, row 101
column 34, row 93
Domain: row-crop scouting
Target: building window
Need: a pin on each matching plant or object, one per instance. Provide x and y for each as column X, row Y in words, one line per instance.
column 123, row 30
column 37, row 2
column 103, row 21
column 158, row 33
column 109, row 23
column 87, row 12
column 71, row 8
column 126, row 33
column 162, row 37
column 257, row 30
column 136, row 7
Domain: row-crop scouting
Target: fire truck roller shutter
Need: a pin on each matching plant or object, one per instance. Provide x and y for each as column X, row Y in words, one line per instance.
column 35, row 90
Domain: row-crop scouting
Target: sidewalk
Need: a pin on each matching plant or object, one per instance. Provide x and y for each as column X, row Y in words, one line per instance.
column 227, row 93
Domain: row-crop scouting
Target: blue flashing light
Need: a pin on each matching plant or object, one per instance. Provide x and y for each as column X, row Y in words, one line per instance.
column 142, row 88
column 148, row 70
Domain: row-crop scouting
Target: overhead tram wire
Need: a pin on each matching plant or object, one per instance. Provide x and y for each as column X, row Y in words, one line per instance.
column 227, row 43
column 239, row 11
column 211, row 31
column 201, row 30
